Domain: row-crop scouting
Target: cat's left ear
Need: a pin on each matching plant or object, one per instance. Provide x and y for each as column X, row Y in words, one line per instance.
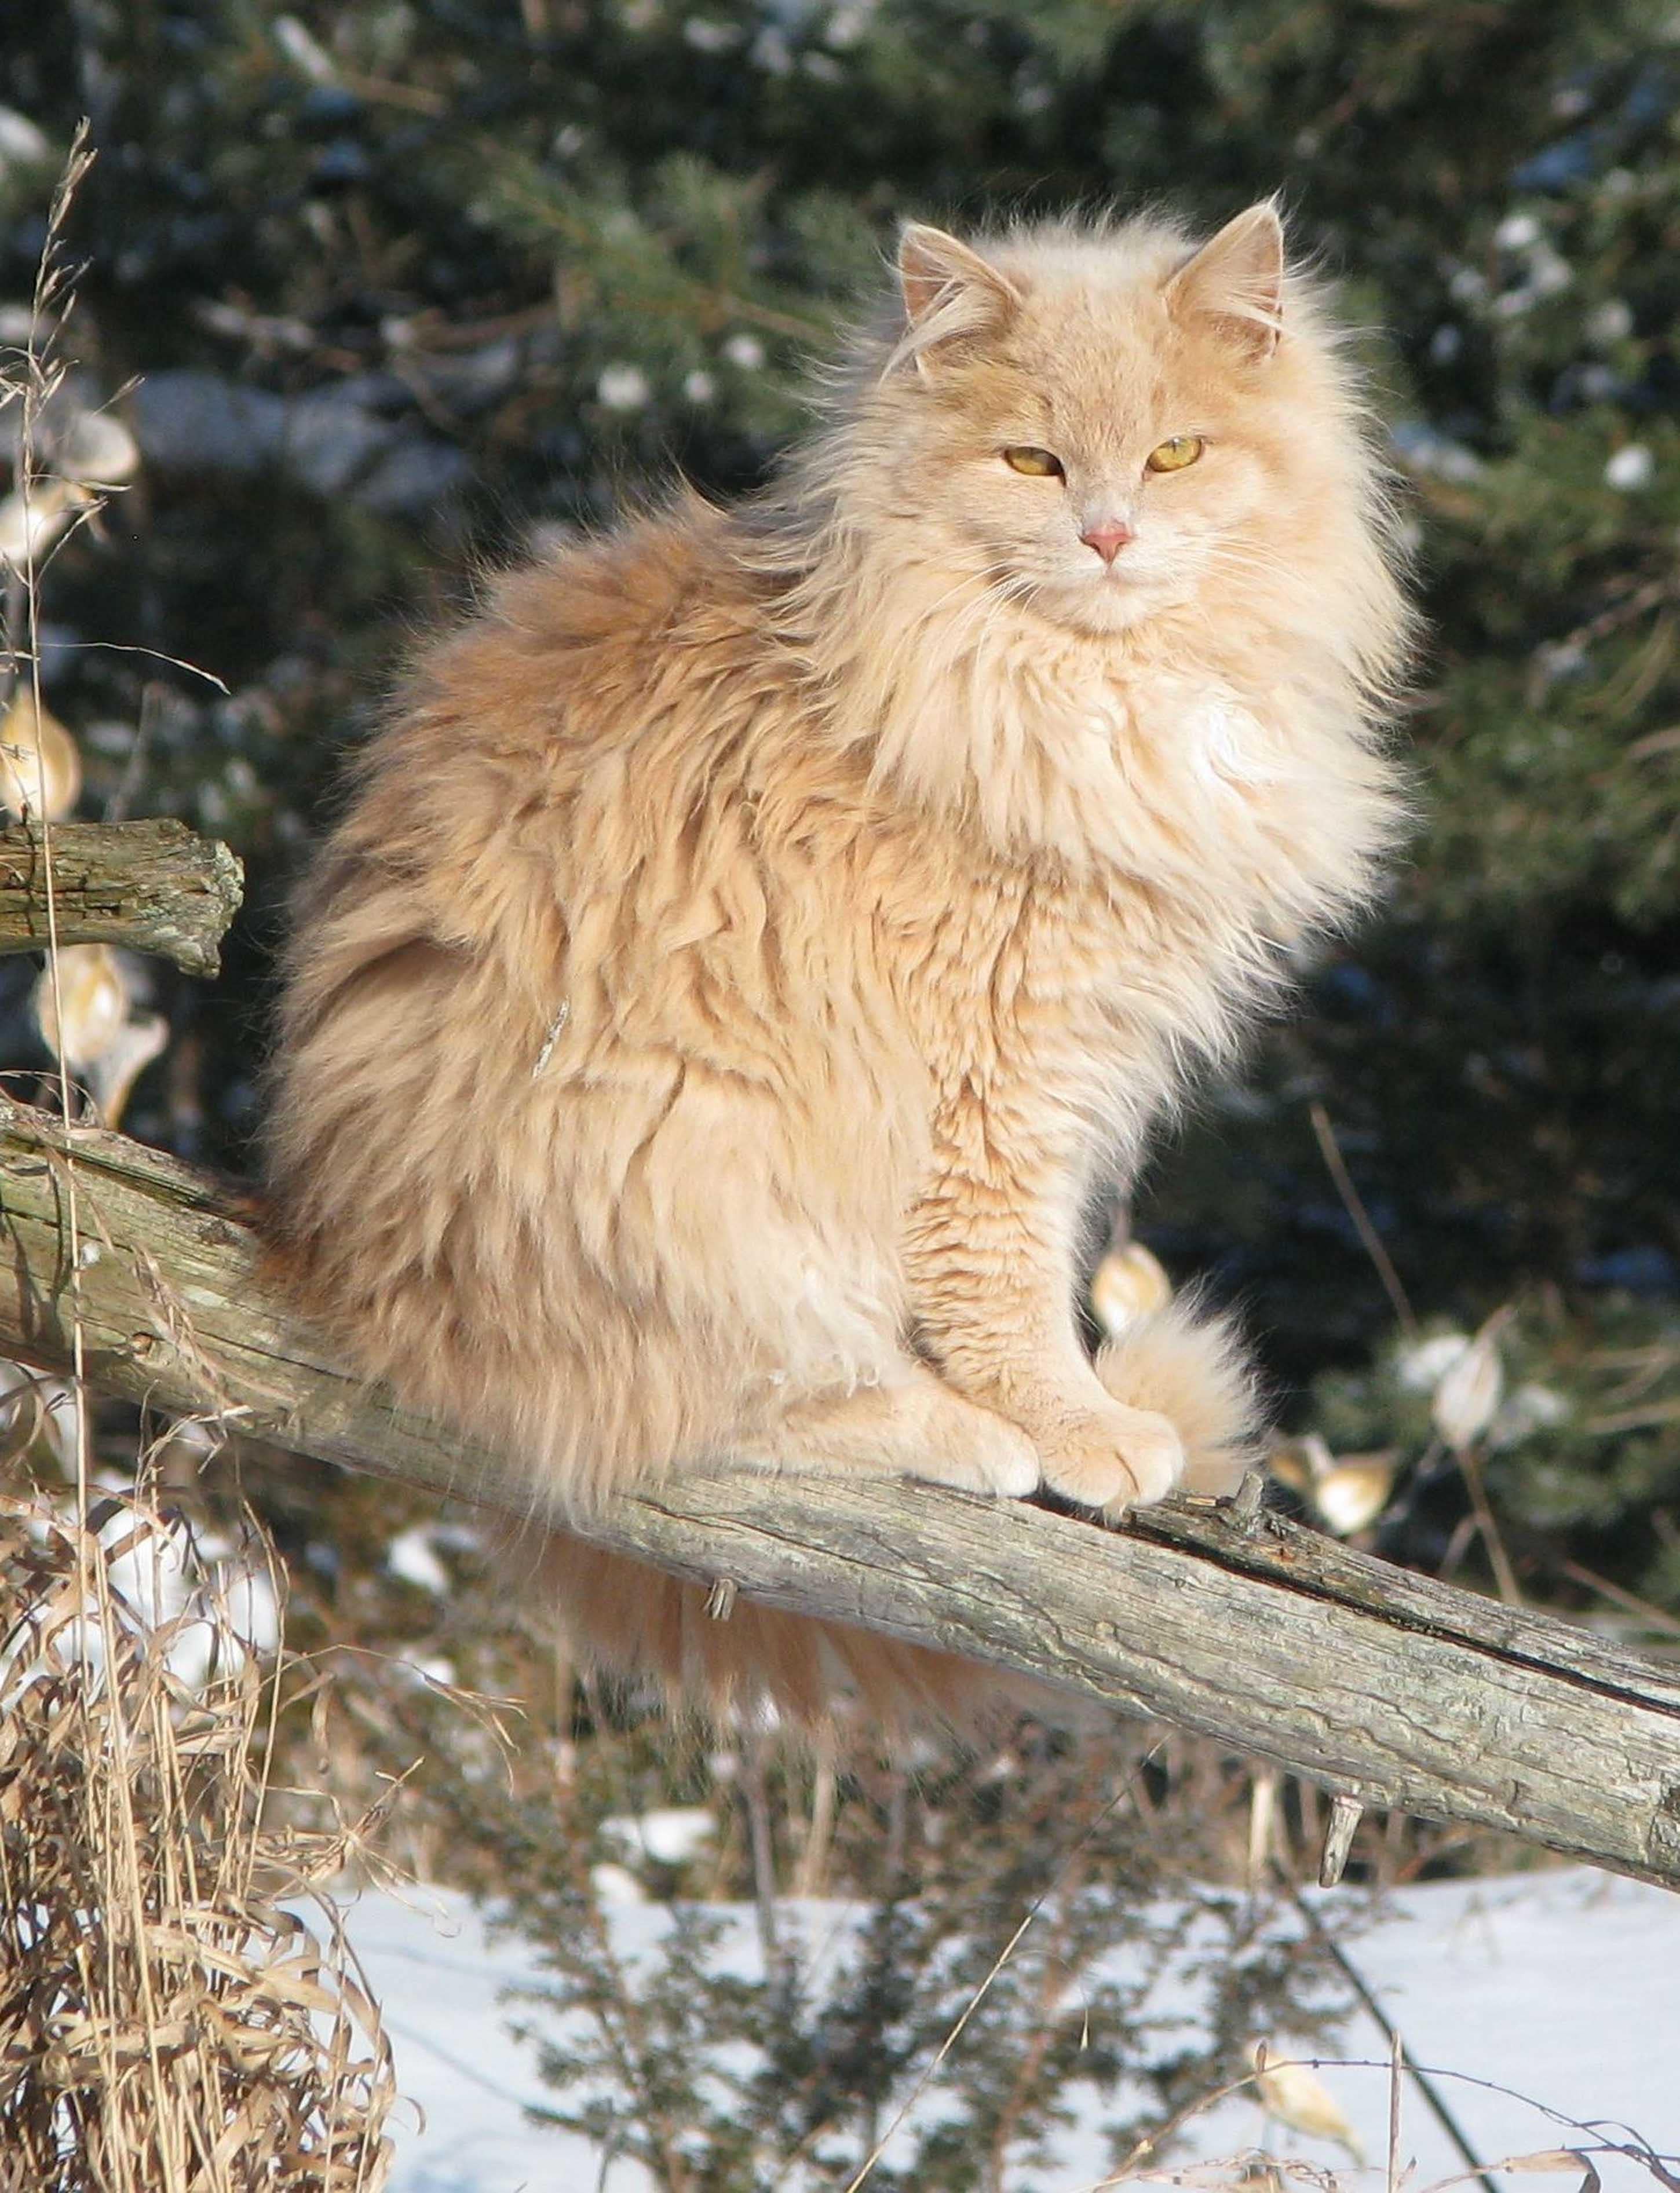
column 1237, row 278
column 949, row 290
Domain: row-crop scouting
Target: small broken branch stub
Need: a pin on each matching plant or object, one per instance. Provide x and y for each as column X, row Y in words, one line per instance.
column 153, row 886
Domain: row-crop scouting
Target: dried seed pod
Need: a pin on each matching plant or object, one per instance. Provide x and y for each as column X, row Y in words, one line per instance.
column 111, row 1077
column 89, row 985
column 30, row 524
column 1128, row 1284
column 1348, row 1490
column 95, row 450
column 1468, row 1397
column 1300, row 1463
column 1354, row 1491
column 40, row 768
column 1297, row 2097
column 105, row 1044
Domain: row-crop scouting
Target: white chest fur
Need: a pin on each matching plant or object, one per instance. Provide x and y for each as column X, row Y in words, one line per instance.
column 1203, row 727
column 1223, row 740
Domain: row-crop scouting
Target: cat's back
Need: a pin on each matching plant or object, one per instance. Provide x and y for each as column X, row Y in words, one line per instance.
column 581, row 697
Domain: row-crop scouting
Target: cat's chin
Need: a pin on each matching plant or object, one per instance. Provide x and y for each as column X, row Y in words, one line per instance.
column 1099, row 612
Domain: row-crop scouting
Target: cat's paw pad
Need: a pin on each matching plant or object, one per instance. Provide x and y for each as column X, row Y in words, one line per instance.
column 1113, row 1461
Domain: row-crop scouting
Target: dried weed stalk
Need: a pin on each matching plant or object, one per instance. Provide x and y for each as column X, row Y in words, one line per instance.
column 168, row 2024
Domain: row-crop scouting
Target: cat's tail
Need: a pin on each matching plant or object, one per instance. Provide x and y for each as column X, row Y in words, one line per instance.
column 1194, row 1369
column 633, row 1624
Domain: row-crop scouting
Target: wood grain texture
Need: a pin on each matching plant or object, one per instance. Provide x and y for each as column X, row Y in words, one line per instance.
column 1389, row 1687
column 154, row 886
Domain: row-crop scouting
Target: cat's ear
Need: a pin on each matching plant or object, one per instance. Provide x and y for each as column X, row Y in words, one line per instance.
column 1237, row 279
column 948, row 291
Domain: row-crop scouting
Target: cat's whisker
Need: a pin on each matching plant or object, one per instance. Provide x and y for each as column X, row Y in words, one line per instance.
column 996, row 594
column 1231, row 556
column 1006, row 600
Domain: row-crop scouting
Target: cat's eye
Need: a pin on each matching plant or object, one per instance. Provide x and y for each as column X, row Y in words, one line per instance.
column 1173, row 455
column 1040, row 464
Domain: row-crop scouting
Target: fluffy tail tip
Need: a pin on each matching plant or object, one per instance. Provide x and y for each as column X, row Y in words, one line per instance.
column 1195, row 1372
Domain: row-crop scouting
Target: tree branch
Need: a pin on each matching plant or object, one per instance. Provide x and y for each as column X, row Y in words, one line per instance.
column 1389, row 1687
column 153, row 886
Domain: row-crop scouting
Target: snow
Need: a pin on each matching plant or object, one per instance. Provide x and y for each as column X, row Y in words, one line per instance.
column 1517, row 232
column 1563, row 1987
column 1421, row 1368
column 1630, row 468
column 185, row 1592
column 672, row 1836
column 410, row 1555
column 623, row 388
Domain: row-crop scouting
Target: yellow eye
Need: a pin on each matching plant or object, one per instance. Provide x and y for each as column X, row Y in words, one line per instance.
column 1041, row 464
column 1173, row 457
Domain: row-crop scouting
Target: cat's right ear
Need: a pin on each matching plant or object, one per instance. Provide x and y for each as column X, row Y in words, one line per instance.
column 1237, row 280
column 949, row 291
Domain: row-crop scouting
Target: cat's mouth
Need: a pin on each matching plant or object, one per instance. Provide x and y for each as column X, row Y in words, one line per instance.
column 1111, row 599
column 1103, row 600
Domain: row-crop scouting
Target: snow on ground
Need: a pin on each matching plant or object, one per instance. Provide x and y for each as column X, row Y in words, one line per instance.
column 1564, row 1987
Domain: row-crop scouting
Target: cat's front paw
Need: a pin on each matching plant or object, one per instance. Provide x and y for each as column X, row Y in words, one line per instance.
column 957, row 1442
column 1113, row 1458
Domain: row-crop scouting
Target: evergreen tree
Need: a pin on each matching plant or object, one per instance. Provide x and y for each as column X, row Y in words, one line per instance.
column 404, row 279
column 384, row 286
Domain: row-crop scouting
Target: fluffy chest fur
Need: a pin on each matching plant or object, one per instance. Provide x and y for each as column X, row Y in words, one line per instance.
column 1097, row 864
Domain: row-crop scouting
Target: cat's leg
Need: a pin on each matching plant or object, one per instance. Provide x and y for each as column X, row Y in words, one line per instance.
column 908, row 1424
column 991, row 1255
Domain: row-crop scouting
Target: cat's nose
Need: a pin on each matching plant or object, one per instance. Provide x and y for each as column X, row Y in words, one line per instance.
column 1108, row 537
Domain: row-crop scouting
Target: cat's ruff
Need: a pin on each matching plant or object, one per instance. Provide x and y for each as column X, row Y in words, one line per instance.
column 755, row 936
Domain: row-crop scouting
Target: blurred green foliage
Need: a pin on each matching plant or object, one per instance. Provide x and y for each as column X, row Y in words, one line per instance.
column 406, row 279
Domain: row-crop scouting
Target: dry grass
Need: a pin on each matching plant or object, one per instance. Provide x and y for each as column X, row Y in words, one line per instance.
column 167, row 2023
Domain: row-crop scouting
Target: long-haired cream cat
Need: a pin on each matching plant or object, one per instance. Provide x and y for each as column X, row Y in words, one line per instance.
column 759, row 933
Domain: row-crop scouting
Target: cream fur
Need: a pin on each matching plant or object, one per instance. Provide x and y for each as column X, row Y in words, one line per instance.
column 756, row 934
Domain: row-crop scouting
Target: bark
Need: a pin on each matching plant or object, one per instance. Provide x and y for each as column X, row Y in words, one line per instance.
column 153, row 886
column 1383, row 1685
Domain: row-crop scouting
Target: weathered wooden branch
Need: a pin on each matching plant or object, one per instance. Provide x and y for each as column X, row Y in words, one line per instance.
column 1391, row 1689
column 154, row 886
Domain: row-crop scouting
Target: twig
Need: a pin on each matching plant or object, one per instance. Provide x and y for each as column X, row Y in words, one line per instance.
column 1361, row 1219
column 1654, row 1616
column 755, row 1797
column 1351, row 1973
column 813, row 1865
column 1470, row 1469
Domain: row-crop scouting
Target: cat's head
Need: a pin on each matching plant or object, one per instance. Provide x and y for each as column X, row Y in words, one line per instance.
column 1106, row 422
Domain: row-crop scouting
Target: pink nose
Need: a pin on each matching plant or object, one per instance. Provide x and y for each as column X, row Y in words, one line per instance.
column 1109, row 538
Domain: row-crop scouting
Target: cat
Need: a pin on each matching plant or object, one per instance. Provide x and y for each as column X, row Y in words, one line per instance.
column 756, row 934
